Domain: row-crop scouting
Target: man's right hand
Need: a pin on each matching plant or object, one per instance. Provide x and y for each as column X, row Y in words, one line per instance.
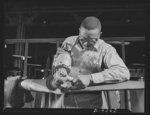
column 63, row 83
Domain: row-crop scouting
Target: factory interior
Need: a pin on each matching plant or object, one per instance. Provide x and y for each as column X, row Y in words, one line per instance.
column 34, row 30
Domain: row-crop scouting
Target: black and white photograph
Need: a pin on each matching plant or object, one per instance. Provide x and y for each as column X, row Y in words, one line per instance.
column 80, row 56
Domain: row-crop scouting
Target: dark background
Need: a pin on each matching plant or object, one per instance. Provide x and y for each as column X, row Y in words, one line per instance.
column 60, row 19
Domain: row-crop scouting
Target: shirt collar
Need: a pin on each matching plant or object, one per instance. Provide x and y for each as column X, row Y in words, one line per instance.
column 98, row 43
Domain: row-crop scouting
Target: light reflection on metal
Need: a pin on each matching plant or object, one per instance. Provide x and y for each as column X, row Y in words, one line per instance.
column 5, row 46
column 118, row 42
column 34, row 65
column 42, row 70
column 138, row 64
column 23, row 58
column 20, row 56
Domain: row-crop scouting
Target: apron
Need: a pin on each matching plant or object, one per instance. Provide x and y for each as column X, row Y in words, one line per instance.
column 83, row 62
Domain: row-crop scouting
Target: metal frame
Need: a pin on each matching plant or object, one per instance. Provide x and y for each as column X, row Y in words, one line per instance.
column 55, row 40
column 60, row 40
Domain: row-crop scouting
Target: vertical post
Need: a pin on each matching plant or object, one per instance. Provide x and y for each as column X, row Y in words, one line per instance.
column 19, row 47
column 57, row 45
column 26, row 58
column 123, row 51
column 127, row 92
column 35, row 55
column 49, row 101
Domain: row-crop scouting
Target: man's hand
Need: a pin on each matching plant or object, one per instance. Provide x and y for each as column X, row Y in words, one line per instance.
column 72, row 82
column 86, row 79
column 81, row 82
column 62, row 81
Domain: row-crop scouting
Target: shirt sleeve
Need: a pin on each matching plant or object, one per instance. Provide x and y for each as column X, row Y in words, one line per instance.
column 64, row 49
column 68, row 43
column 62, row 59
column 115, row 67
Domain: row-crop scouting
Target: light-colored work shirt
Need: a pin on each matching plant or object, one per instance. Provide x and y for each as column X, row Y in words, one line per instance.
column 93, row 62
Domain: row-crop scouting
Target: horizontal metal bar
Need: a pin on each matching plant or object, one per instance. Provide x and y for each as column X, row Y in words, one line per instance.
column 55, row 40
column 37, row 40
column 142, row 38
column 118, row 42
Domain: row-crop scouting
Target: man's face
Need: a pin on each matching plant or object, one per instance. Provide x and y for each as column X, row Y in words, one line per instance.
column 88, row 38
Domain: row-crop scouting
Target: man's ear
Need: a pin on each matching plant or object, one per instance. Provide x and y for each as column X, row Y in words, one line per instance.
column 79, row 30
column 100, row 34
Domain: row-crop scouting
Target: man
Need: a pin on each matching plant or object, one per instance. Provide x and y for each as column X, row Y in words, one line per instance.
column 93, row 62
column 83, row 61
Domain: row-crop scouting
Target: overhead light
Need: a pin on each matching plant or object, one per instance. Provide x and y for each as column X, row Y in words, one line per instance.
column 44, row 22
column 128, row 20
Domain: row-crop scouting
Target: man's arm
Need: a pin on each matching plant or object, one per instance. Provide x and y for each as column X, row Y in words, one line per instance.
column 115, row 67
column 61, row 67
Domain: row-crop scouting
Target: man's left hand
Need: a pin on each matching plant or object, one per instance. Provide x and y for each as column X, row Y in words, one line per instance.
column 81, row 82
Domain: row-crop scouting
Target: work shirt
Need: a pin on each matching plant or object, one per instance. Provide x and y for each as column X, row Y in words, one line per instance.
column 103, row 63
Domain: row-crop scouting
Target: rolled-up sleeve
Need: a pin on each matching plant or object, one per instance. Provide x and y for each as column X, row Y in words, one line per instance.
column 115, row 67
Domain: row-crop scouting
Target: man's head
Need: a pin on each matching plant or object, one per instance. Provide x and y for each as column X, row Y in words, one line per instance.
column 90, row 31
column 90, row 27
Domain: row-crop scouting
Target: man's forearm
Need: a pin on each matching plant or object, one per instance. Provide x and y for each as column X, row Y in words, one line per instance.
column 114, row 73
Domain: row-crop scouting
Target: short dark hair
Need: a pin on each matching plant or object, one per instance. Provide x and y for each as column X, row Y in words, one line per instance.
column 91, row 22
